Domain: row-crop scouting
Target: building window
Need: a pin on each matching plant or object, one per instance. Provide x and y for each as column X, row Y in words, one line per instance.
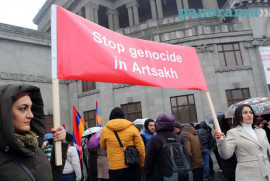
column 237, row 95
column 48, row 123
column 132, row 111
column 221, row 3
column 90, row 118
column 169, row 8
column 230, row 55
column 145, row 10
column 183, row 108
column 195, row 4
column 102, row 17
column 123, row 13
column 88, row 85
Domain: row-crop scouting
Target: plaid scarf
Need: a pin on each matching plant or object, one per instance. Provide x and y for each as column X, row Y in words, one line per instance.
column 27, row 140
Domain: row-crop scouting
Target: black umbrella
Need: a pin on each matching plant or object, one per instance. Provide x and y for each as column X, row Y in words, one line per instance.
column 209, row 118
column 221, row 120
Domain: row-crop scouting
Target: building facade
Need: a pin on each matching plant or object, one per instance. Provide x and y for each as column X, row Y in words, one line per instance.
column 227, row 47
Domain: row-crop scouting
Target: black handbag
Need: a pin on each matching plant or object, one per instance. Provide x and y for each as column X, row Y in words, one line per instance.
column 131, row 153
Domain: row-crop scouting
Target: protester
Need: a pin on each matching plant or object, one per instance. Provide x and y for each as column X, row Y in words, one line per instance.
column 72, row 169
column 250, row 145
column 153, row 165
column 129, row 135
column 139, row 129
column 226, row 167
column 102, row 165
column 192, row 124
column 92, row 164
column 148, row 132
column 85, row 156
column 206, row 140
column 177, row 128
column 264, row 124
column 21, row 135
column 194, row 147
column 48, row 148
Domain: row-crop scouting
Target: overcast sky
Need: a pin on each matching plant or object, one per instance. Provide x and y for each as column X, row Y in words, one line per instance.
column 20, row 12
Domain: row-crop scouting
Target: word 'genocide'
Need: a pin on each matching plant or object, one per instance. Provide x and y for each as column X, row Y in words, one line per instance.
column 137, row 53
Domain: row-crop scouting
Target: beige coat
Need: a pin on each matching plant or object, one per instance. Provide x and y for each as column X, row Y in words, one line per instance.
column 252, row 159
column 102, row 164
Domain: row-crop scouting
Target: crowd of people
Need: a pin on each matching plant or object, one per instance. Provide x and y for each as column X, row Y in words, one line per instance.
column 165, row 149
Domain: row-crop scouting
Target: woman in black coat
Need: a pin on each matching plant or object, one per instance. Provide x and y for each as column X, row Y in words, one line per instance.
column 21, row 135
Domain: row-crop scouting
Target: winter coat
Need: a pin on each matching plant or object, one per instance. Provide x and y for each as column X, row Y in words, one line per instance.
column 205, row 136
column 36, row 162
column 92, row 160
column 267, row 130
column 153, row 168
column 102, row 164
column 73, row 163
column 252, row 158
column 193, row 146
column 128, row 134
column 147, row 136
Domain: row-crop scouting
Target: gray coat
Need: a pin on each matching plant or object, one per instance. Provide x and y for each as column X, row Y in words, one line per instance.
column 252, row 159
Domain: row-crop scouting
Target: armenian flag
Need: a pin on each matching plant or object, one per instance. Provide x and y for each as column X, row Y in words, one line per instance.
column 78, row 129
column 98, row 116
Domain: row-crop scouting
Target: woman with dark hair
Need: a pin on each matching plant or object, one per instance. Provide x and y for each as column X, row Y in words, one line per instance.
column 21, row 136
column 250, row 145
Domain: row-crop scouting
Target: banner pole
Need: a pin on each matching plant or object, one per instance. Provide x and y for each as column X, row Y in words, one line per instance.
column 56, row 120
column 213, row 112
column 55, row 85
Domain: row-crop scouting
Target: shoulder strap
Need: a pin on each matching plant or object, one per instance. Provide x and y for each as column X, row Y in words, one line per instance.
column 121, row 145
column 23, row 166
column 167, row 139
column 163, row 140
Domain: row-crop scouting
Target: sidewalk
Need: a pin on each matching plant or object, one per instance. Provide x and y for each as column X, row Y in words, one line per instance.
column 217, row 176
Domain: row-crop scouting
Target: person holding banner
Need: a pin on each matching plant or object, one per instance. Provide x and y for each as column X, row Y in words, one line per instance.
column 21, row 136
column 250, row 145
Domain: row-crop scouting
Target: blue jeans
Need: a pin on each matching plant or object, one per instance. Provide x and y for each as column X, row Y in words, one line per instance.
column 206, row 159
column 68, row 177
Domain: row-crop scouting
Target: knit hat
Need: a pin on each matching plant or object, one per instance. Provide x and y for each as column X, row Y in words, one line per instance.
column 69, row 137
column 177, row 125
column 116, row 113
column 146, row 123
column 165, row 122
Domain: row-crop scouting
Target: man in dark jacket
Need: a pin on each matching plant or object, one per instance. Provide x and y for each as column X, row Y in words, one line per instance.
column 164, row 128
column 206, row 141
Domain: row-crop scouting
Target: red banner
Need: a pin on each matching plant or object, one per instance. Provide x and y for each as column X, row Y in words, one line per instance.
column 83, row 50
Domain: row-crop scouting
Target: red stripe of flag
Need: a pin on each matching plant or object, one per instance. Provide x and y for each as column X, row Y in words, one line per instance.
column 78, row 129
column 98, row 116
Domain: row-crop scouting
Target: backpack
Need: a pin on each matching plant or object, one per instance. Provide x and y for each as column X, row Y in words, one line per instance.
column 175, row 162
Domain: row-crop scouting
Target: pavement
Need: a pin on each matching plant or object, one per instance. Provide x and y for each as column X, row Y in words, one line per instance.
column 217, row 176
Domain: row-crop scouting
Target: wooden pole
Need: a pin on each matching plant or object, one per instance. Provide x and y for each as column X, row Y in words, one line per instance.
column 56, row 120
column 213, row 112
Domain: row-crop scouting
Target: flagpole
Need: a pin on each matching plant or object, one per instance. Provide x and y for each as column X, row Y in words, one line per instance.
column 56, row 120
column 212, row 109
column 55, row 85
